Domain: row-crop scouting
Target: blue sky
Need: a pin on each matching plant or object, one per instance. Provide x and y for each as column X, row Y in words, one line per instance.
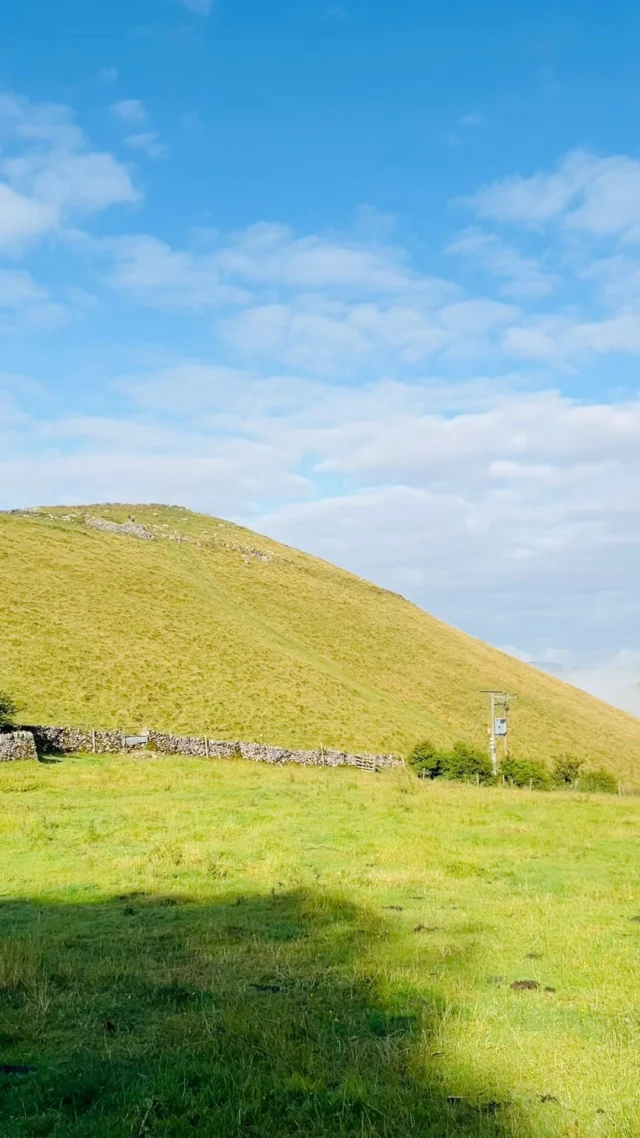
column 364, row 276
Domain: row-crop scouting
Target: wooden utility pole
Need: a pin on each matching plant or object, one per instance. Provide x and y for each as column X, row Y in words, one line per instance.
column 498, row 699
column 492, row 732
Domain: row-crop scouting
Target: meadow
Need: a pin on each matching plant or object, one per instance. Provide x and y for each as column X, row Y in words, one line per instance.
column 222, row 948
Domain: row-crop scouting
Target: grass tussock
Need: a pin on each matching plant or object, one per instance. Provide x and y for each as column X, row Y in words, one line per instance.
column 218, row 949
column 211, row 628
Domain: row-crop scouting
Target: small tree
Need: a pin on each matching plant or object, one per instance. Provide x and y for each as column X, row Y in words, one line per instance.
column 466, row 764
column 598, row 782
column 525, row 772
column 426, row 760
column 7, row 711
column 566, row 770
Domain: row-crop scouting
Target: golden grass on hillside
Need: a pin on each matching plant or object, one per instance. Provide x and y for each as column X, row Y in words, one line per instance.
column 195, row 631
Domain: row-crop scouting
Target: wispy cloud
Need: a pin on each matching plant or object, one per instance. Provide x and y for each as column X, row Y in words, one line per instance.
column 588, row 193
column 130, row 111
column 149, row 143
column 520, row 275
column 49, row 173
column 471, row 121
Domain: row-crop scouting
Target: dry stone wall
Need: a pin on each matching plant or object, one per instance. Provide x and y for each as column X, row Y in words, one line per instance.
column 75, row 739
column 52, row 740
column 17, row 745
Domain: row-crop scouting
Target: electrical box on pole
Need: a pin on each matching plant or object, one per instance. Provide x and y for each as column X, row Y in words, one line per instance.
column 498, row 723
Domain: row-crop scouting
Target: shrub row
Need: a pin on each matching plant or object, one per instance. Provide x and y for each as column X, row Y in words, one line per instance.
column 466, row 763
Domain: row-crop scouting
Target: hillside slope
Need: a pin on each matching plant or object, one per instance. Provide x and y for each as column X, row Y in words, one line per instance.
column 210, row 627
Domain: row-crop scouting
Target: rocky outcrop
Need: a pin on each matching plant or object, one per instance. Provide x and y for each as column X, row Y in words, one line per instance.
column 134, row 529
column 17, row 745
column 76, row 739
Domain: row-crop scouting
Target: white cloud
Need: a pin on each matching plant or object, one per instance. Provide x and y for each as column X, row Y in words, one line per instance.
column 556, row 339
column 26, row 306
column 618, row 279
column 17, row 288
column 319, row 303
column 588, row 193
column 268, row 253
column 23, row 218
column 159, row 275
column 329, row 339
column 521, row 276
column 50, row 172
column 307, row 339
column 87, row 182
column 130, row 111
column 186, row 387
column 475, row 317
column 149, row 143
column 314, row 315
column 534, row 200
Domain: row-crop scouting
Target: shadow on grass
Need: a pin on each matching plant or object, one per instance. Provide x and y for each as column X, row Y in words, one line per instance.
column 259, row 1016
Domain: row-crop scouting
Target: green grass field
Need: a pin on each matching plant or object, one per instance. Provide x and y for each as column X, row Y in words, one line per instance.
column 193, row 632
column 222, row 949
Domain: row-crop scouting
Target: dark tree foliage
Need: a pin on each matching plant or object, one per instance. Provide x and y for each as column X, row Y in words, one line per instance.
column 463, row 763
column 525, row 772
column 467, row 764
column 566, row 770
column 598, row 782
column 426, row 760
column 7, row 711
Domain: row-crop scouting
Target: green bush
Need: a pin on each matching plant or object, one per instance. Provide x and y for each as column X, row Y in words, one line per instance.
column 7, row 711
column 566, row 771
column 463, row 763
column 426, row 760
column 466, row 764
column 525, row 772
column 598, row 782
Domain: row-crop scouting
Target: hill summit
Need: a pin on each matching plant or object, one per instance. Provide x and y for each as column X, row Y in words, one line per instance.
column 133, row 616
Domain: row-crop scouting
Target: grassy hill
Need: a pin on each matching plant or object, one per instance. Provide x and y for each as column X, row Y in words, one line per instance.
column 210, row 627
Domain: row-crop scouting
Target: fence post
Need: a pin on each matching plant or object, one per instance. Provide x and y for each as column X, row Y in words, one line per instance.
column 93, row 740
column 206, row 746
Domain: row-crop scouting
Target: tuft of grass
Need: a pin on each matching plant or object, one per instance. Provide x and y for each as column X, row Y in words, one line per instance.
column 213, row 629
column 255, row 951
